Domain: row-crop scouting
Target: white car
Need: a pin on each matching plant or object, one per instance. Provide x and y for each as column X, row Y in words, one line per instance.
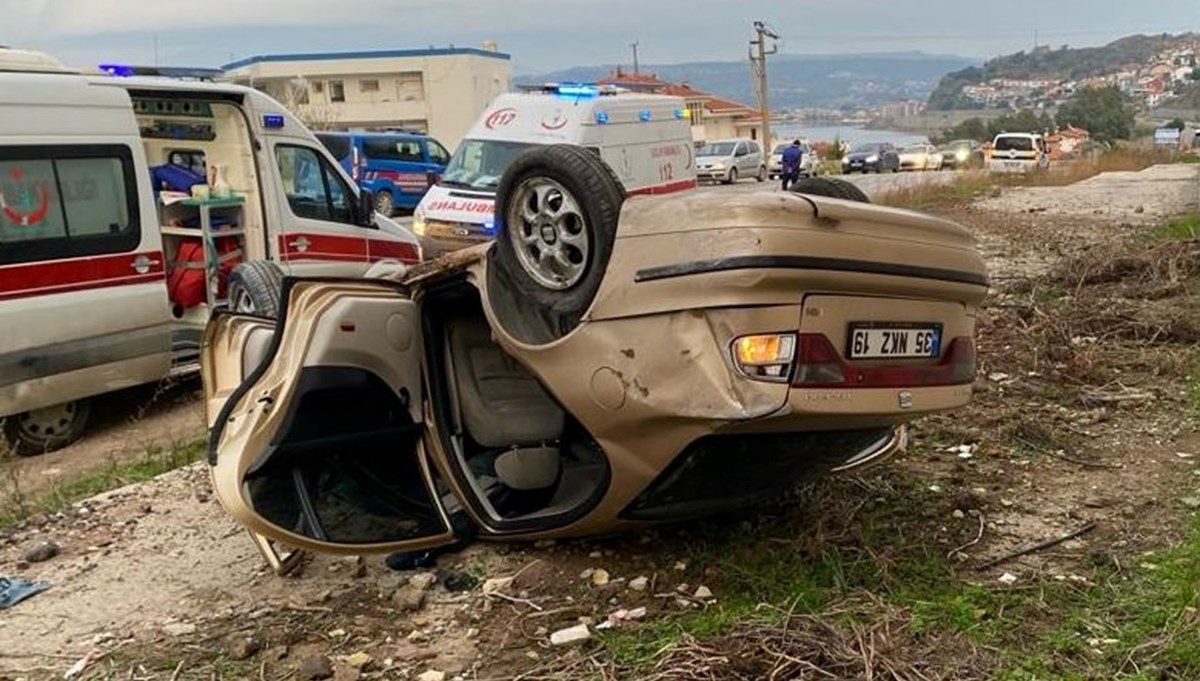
column 1018, row 152
column 808, row 161
column 920, row 157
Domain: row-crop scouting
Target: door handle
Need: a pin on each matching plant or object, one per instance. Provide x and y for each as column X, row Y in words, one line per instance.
column 300, row 244
column 142, row 264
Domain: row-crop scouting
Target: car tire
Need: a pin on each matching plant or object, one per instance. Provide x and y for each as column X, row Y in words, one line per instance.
column 384, row 203
column 255, row 288
column 830, row 187
column 762, row 174
column 554, row 295
column 732, row 177
column 45, row 430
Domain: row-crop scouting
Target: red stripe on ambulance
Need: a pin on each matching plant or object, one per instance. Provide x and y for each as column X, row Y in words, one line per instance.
column 63, row 276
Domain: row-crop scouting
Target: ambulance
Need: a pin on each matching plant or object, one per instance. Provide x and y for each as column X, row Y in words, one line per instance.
column 133, row 205
column 645, row 139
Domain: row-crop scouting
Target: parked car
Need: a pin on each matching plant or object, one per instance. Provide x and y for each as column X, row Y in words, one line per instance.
column 1018, row 152
column 872, row 157
column 808, row 161
column 705, row 352
column 398, row 168
column 962, row 154
column 728, row 161
column 136, row 204
column 920, row 157
column 645, row 139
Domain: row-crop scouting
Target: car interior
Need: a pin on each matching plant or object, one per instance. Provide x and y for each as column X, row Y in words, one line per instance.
column 527, row 460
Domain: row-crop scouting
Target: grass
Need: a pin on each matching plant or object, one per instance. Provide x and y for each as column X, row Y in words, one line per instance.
column 16, row 506
column 1186, row 227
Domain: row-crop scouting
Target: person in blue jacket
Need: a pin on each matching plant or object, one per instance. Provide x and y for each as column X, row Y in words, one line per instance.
column 791, row 164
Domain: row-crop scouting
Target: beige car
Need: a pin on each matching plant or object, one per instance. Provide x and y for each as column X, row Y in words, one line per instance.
column 605, row 363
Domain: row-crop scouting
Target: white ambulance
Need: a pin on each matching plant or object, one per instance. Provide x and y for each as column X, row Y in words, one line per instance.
column 645, row 139
column 110, row 262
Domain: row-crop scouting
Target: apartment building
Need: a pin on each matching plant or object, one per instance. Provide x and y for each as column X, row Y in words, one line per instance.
column 440, row 91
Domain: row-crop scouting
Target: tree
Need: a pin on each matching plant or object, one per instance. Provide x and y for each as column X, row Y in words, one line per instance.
column 1104, row 112
column 1176, row 123
column 970, row 129
column 1024, row 120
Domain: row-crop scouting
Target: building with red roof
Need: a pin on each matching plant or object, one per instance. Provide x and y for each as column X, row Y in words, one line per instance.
column 712, row 117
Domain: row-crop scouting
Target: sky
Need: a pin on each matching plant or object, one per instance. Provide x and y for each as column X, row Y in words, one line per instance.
column 545, row 35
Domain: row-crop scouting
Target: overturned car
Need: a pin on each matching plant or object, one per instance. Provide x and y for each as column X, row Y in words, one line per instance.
column 604, row 363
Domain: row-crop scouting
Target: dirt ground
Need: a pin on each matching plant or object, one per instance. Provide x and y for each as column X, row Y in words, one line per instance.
column 1081, row 422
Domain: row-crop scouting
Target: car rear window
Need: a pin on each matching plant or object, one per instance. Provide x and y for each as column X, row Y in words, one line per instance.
column 338, row 145
column 1014, row 144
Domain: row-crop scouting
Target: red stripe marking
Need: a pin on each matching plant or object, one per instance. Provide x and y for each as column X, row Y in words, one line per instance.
column 669, row 188
column 324, row 247
column 78, row 274
column 400, row 250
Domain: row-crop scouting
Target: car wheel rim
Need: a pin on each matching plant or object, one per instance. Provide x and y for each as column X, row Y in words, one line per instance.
column 242, row 302
column 42, row 424
column 549, row 233
column 383, row 204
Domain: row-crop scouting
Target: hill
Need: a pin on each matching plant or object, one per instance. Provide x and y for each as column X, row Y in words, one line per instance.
column 1064, row 63
column 818, row 81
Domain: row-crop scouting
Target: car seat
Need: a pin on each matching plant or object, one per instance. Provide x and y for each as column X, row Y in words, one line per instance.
column 506, row 411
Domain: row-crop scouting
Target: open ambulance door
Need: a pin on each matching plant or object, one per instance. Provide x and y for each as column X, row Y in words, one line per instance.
column 320, row 447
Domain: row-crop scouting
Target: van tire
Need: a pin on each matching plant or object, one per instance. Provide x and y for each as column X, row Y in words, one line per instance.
column 45, row 430
column 384, row 203
column 830, row 187
column 254, row 288
column 591, row 196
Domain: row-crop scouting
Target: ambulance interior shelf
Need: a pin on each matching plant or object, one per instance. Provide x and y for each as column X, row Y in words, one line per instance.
column 203, row 240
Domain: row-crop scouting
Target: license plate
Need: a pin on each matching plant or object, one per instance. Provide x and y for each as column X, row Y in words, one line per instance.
column 894, row 340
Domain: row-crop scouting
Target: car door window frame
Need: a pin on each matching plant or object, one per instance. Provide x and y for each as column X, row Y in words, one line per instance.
column 329, row 178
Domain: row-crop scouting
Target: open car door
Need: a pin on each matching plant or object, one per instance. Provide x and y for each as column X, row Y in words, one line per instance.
column 320, row 446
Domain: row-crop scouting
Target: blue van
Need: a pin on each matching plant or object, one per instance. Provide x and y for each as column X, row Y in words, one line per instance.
column 398, row 167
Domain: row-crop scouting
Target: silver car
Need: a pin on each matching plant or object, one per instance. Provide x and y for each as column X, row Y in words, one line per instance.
column 728, row 161
column 808, row 161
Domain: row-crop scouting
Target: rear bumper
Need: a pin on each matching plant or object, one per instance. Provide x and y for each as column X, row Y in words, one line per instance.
column 721, row 473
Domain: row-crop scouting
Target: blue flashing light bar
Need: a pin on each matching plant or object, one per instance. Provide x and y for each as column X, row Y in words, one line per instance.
column 119, row 70
column 645, row 115
column 579, row 90
column 273, row 121
column 602, row 117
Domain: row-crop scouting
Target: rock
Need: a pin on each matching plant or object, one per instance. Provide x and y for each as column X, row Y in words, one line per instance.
column 359, row 660
column 640, row 584
column 242, row 646
column 145, row 509
column 958, row 514
column 432, row 675
column 571, row 635
column 179, row 629
column 40, row 552
column 600, row 577
column 459, row 580
column 496, row 584
column 344, row 672
column 1139, row 210
column 390, row 581
column 422, row 580
column 409, row 598
column 417, row 636
column 38, row 520
column 1190, row 502
column 595, row 555
column 680, row 566
column 314, row 668
column 703, row 594
column 1008, row 578
column 587, row 574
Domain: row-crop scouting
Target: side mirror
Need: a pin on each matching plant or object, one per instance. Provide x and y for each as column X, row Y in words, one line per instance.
column 366, row 208
column 431, row 178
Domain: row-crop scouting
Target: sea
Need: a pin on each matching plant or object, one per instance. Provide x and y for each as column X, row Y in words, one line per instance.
column 851, row 134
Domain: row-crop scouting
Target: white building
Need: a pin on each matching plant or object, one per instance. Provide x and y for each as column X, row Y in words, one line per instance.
column 439, row 90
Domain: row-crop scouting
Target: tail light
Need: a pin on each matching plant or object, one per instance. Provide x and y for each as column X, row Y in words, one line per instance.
column 818, row 365
column 766, row 357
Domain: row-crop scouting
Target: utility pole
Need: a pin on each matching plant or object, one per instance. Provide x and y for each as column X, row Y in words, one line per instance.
column 759, row 62
column 634, row 45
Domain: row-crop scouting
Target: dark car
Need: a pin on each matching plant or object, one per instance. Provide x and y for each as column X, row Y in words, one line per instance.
column 962, row 154
column 872, row 157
